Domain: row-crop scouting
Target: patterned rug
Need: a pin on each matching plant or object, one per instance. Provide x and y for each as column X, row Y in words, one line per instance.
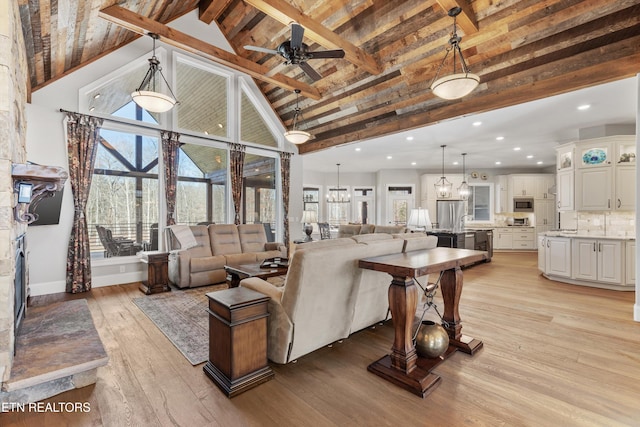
column 182, row 316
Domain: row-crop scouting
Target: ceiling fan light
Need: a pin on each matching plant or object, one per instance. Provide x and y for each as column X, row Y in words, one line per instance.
column 455, row 86
column 154, row 102
column 297, row 136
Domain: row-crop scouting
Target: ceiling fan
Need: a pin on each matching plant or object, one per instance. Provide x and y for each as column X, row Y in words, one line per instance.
column 295, row 52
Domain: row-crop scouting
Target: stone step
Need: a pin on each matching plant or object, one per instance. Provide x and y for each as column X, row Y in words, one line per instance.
column 57, row 349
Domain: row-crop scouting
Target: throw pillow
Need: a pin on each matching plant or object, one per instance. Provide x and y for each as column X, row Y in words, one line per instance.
column 184, row 236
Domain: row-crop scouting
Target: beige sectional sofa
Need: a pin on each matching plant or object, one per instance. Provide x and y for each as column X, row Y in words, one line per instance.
column 348, row 230
column 216, row 245
column 326, row 296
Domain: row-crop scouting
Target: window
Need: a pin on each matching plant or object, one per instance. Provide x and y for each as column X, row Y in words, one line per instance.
column 365, row 205
column 399, row 204
column 480, row 202
column 259, row 204
column 123, row 199
column 253, row 126
column 202, row 185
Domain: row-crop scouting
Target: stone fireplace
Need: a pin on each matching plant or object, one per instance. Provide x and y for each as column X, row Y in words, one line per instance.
column 13, row 99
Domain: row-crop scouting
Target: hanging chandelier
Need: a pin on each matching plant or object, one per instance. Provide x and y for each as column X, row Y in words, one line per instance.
column 457, row 84
column 443, row 186
column 464, row 191
column 335, row 195
column 296, row 136
column 146, row 96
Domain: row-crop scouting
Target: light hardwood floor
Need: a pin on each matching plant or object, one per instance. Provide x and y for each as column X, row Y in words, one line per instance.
column 554, row 355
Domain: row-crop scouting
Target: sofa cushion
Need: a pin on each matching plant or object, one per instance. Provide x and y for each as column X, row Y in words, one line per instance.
column 207, row 263
column 418, row 242
column 236, row 259
column 184, row 236
column 224, row 239
column 324, row 243
column 390, row 229
column 348, row 230
column 367, row 228
column 252, row 237
column 364, row 238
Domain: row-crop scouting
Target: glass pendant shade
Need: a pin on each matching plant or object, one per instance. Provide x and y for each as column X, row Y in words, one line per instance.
column 297, row 136
column 146, row 95
column 457, row 84
column 443, row 186
column 464, row 191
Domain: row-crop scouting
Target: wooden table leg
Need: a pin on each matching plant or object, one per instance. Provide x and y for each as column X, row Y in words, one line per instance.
column 451, row 286
column 233, row 279
column 400, row 367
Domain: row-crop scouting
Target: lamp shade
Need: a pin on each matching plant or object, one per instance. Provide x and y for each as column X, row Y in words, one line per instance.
column 455, row 86
column 309, row 217
column 297, row 136
column 155, row 102
column 419, row 219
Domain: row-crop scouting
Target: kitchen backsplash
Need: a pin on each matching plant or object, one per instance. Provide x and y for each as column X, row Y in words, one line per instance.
column 621, row 224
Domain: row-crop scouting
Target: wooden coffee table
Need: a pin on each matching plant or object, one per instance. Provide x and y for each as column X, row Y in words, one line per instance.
column 238, row 272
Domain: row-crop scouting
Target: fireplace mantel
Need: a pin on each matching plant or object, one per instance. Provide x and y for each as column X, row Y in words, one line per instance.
column 46, row 180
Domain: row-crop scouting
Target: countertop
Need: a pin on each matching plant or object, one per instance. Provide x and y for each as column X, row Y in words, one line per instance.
column 585, row 235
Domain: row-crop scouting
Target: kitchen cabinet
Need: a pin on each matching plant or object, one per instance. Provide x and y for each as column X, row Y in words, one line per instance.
column 502, row 194
column 558, row 256
column 523, row 239
column 625, row 196
column 503, row 239
column 542, row 252
column 598, row 260
column 630, row 273
column 593, row 189
column 565, row 157
column 545, row 215
column 522, row 185
column 595, row 153
column 565, row 190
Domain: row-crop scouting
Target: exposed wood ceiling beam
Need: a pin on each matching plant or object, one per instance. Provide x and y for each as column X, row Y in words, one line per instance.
column 211, row 9
column 282, row 11
column 467, row 18
column 143, row 25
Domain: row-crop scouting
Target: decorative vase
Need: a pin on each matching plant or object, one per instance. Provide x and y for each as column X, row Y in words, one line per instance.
column 432, row 340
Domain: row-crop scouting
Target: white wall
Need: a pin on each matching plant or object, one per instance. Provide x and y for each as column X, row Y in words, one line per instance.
column 46, row 145
column 636, row 307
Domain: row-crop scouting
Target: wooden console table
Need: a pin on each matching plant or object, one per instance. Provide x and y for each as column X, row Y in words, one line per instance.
column 403, row 367
column 157, row 272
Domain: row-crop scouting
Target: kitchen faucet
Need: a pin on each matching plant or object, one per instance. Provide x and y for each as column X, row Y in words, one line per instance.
column 462, row 220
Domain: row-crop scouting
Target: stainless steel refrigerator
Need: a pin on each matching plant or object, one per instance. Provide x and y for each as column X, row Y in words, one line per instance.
column 450, row 214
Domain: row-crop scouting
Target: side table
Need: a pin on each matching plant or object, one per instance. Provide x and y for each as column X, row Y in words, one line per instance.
column 238, row 340
column 157, row 272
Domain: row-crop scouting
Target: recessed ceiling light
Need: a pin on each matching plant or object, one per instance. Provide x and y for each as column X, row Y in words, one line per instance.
column 530, row 156
column 96, row 96
column 516, row 148
column 498, row 163
column 477, row 123
column 455, row 163
column 539, row 162
column 358, row 148
column 92, row 108
column 584, row 107
column 206, row 132
column 409, row 138
column 500, row 138
column 413, row 163
column 389, row 157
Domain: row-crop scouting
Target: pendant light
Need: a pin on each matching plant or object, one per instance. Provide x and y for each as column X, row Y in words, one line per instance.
column 464, row 191
column 296, row 136
column 146, row 96
column 443, row 186
column 338, row 197
column 457, row 84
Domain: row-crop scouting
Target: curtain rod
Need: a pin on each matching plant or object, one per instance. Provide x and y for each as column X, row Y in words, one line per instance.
column 146, row 126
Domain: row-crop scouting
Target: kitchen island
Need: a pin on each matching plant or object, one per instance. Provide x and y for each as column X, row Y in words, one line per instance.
column 588, row 259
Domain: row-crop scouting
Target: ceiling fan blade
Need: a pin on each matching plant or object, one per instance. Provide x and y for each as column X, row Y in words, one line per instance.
column 296, row 36
column 310, row 71
column 338, row 53
column 261, row 49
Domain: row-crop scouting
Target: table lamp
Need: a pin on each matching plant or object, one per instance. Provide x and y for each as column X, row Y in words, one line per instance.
column 419, row 220
column 308, row 218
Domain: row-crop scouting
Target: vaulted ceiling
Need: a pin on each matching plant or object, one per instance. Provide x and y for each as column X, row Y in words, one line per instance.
column 522, row 50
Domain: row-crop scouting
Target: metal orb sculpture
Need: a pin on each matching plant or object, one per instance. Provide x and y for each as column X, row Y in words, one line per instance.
column 432, row 340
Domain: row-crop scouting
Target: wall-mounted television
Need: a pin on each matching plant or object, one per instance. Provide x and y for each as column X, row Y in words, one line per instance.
column 48, row 209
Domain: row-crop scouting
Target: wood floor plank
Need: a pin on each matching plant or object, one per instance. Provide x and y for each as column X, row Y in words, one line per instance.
column 554, row 354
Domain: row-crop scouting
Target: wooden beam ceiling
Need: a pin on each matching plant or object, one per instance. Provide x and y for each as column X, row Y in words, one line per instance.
column 285, row 13
column 209, row 10
column 142, row 25
column 467, row 19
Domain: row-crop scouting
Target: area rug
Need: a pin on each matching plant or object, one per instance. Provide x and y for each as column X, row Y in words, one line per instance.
column 182, row 316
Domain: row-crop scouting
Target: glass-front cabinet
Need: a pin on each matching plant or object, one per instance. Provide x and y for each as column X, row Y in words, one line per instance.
column 596, row 154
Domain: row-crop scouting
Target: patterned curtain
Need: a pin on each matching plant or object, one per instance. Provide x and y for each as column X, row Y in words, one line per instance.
column 237, row 171
column 285, row 173
column 170, row 157
column 82, row 146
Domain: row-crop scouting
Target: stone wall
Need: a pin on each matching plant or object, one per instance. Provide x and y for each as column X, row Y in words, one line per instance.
column 13, row 98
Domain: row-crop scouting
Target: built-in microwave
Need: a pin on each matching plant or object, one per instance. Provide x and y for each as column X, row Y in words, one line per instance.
column 523, row 204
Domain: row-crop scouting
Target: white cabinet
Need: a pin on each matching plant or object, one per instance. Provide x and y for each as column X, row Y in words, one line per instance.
column 545, row 215
column 523, row 239
column 625, row 184
column 565, row 190
column 565, row 157
column 542, row 254
column 631, row 263
column 502, row 194
column 503, row 238
column 593, row 189
column 543, row 184
column 522, row 185
column 594, row 153
column 598, row 260
column 558, row 256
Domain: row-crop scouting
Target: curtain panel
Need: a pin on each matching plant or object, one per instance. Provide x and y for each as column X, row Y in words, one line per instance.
column 236, row 154
column 170, row 158
column 285, row 174
column 82, row 145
